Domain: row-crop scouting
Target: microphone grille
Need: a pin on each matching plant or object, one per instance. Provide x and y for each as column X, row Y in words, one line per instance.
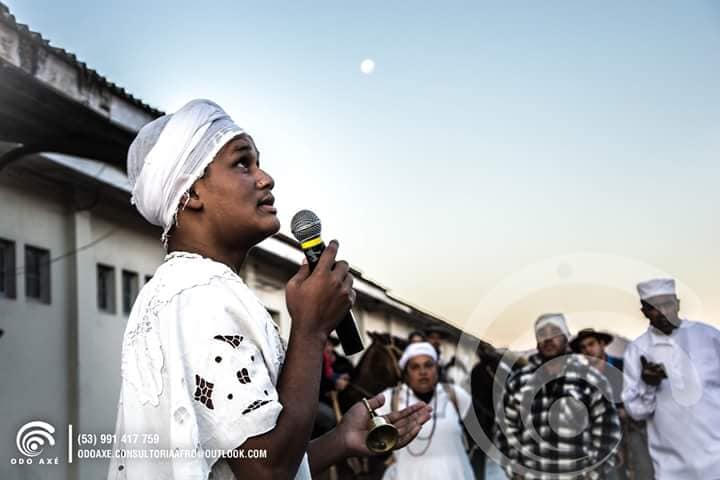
column 305, row 225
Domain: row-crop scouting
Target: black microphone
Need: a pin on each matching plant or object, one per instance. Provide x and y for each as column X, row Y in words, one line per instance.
column 305, row 226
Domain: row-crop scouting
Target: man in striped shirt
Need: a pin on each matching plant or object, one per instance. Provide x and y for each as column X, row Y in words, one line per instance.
column 558, row 419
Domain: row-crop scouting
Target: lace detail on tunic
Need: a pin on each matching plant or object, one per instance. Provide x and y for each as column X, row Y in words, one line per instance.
column 279, row 344
column 233, row 340
column 255, row 405
column 142, row 358
column 204, row 391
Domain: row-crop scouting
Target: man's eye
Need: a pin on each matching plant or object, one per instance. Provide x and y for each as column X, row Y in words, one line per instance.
column 243, row 162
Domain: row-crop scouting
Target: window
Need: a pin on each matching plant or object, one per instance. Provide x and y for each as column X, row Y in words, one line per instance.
column 8, row 275
column 106, row 288
column 37, row 273
column 129, row 290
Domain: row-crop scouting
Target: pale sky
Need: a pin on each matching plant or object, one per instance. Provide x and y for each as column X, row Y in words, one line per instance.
column 513, row 157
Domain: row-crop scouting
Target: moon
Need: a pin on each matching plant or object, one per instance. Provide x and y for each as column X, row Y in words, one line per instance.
column 367, row 66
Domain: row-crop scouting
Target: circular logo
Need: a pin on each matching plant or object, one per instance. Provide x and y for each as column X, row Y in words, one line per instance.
column 33, row 436
column 555, row 400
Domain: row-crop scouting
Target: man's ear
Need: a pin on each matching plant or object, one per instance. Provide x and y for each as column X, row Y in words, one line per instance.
column 191, row 201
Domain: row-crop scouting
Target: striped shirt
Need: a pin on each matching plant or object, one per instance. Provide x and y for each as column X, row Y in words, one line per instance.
column 558, row 425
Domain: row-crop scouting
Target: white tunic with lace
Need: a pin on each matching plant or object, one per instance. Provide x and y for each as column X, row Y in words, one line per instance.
column 200, row 360
column 434, row 453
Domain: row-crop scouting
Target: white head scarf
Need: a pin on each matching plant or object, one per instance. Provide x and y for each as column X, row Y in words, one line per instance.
column 556, row 319
column 416, row 349
column 170, row 153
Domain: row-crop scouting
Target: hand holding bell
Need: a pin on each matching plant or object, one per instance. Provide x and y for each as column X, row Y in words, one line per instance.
column 383, row 436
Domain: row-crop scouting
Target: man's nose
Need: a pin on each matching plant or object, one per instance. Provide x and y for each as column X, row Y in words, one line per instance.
column 265, row 181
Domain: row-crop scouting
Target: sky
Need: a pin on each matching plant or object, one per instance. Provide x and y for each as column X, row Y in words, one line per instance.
column 503, row 159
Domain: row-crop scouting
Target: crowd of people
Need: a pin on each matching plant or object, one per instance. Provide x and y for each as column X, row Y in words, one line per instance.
column 204, row 366
column 571, row 410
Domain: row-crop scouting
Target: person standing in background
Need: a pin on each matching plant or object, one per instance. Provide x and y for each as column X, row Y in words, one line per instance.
column 672, row 381
column 558, row 419
column 635, row 459
column 438, row 451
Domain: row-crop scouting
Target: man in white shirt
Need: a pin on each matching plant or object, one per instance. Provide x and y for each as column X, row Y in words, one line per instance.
column 209, row 390
column 672, row 380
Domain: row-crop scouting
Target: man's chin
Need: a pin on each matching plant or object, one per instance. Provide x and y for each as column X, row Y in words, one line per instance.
column 550, row 354
column 667, row 326
column 263, row 233
column 271, row 227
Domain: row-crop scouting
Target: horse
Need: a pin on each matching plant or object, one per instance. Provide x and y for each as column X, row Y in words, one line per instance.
column 376, row 370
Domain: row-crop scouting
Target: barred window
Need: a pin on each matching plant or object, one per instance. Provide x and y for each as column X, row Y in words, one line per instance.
column 37, row 273
column 106, row 288
column 130, row 284
column 8, row 276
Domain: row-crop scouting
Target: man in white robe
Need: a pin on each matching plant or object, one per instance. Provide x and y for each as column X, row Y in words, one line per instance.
column 672, row 380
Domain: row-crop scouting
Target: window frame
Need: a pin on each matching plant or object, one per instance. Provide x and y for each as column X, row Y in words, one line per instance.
column 8, row 272
column 37, row 274
column 127, row 302
column 106, row 294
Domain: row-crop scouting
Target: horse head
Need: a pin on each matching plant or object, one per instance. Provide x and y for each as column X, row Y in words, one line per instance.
column 376, row 370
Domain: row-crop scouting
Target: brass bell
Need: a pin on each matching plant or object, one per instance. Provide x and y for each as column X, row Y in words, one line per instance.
column 383, row 436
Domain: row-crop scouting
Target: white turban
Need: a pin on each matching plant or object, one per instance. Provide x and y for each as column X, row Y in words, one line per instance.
column 556, row 319
column 655, row 287
column 170, row 153
column 415, row 349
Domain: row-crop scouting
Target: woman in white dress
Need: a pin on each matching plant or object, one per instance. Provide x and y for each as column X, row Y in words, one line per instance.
column 438, row 450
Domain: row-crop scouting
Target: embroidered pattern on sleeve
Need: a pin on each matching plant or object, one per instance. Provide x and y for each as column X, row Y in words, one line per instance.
column 204, row 391
column 243, row 376
column 255, row 405
column 233, row 340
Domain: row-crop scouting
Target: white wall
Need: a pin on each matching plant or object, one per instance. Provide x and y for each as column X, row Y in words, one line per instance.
column 34, row 350
column 130, row 247
column 60, row 363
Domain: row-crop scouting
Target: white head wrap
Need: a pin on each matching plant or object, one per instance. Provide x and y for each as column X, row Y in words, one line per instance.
column 170, row 153
column 655, row 287
column 415, row 349
column 556, row 319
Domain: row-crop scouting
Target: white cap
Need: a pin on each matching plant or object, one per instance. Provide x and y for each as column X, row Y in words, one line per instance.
column 655, row 287
column 416, row 349
column 557, row 319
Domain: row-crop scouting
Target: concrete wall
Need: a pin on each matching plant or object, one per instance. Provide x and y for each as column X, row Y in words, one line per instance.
column 60, row 363
column 33, row 350
column 100, row 334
